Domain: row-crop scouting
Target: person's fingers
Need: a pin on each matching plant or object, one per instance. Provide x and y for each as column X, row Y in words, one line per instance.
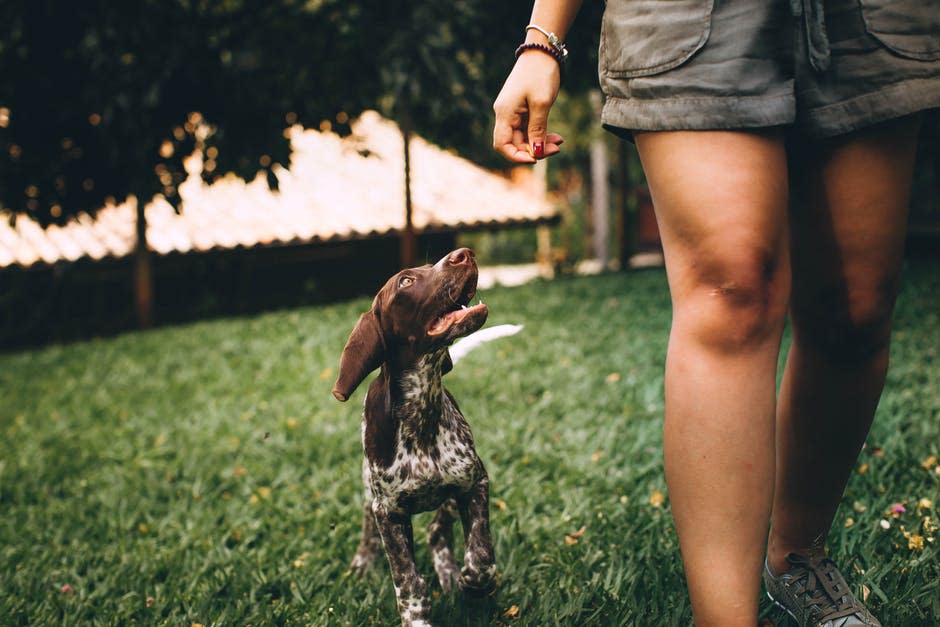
column 553, row 141
column 517, row 148
column 517, row 151
column 508, row 139
column 502, row 129
column 537, row 128
column 520, row 148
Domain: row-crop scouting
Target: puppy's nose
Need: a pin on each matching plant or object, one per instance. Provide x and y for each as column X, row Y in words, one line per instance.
column 460, row 257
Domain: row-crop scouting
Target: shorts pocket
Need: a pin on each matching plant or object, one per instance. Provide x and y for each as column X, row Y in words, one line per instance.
column 645, row 37
column 908, row 27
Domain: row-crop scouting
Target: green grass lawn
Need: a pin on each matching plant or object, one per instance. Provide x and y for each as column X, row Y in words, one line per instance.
column 204, row 474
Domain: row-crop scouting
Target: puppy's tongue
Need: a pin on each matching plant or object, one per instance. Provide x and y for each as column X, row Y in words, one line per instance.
column 446, row 321
column 441, row 324
column 450, row 319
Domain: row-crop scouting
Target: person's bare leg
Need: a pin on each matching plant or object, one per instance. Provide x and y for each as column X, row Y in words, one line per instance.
column 721, row 203
column 847, row 224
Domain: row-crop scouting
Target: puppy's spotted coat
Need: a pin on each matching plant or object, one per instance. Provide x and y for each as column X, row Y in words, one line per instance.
column 419, row 453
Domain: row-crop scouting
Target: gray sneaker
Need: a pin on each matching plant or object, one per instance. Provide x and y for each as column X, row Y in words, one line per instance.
column 814, row 593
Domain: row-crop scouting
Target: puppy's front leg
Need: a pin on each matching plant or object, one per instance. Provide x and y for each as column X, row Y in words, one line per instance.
column 414, row 606
column 479, row 570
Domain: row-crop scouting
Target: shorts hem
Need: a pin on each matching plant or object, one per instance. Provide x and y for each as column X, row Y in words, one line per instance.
column 898, row 100
column 621, row 115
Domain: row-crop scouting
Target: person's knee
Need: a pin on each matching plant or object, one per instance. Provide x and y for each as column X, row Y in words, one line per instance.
column 846, row 323
column 737, row 301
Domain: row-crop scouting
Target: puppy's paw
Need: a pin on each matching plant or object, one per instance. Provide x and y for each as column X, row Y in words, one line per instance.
column 477, row 582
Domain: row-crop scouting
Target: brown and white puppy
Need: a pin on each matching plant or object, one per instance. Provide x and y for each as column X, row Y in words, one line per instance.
column 419, row 453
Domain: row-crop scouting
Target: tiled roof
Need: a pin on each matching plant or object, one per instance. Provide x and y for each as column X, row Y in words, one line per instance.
column 336, row 189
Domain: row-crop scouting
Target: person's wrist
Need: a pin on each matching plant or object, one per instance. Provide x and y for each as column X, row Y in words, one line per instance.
column 540, row 50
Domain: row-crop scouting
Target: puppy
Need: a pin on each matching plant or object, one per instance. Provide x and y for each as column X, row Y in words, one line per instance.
column 419, row 453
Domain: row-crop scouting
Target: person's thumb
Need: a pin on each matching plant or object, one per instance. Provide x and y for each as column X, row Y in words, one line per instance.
column 538, row 129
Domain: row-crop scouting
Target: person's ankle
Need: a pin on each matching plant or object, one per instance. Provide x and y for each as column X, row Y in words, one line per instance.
column 777, row 563
column 777, row 558
column 777, row 551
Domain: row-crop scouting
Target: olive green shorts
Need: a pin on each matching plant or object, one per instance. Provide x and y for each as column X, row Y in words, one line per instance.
column 826, row 67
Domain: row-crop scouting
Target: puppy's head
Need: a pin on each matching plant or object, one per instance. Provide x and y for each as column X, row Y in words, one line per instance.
column 417, row 311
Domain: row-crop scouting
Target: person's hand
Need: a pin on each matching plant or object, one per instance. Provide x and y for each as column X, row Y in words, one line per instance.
column 521, row 131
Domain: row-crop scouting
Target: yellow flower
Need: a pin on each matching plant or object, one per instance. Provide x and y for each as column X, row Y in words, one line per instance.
column 915, row 541
column 929, row 525
column 657, row 499
column 572, row 538
column 301, row 560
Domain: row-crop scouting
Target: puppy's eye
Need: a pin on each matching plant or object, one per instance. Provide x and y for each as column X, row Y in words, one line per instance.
column 406, row 281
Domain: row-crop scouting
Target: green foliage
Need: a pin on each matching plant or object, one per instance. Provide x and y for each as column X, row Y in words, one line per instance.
column 100, row 95
column 205, row 474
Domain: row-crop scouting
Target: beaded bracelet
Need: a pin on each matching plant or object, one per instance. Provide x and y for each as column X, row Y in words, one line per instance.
column 553, row 53
column 553, row 40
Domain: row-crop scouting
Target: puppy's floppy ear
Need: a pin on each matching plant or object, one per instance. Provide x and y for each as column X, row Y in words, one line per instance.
column 364, row 352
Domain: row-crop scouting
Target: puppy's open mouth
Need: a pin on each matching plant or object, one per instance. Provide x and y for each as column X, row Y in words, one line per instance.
column 449, row 319
column 459, row 311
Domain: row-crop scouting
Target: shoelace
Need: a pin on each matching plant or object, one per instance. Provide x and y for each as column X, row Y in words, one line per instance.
column 824, row 587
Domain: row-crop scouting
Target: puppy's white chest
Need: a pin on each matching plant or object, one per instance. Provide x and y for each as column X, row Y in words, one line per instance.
column 420, row 479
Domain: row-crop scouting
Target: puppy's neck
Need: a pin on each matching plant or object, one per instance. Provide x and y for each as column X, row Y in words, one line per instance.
column 418, row 394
